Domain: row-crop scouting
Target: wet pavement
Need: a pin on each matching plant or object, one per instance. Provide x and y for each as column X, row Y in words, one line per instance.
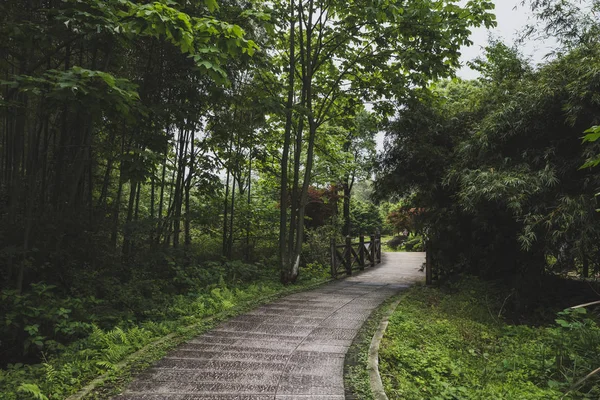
column 290, row 349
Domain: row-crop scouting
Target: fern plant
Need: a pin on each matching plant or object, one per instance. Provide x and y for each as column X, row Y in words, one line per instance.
column 32, row 390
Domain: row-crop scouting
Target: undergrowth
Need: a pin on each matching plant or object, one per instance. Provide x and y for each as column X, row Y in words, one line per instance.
column 452, row 343
column 74, row 349
column 402, row 243
column 391, row 244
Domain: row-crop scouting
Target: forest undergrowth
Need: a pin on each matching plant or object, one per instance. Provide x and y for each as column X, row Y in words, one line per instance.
column 458, row 342
column 72, row 340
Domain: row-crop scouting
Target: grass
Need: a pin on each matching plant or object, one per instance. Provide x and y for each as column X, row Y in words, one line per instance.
column 452, row 343
column 120, row 352
column 356, row 376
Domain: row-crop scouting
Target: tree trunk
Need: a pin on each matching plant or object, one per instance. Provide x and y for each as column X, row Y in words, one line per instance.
column 294, row 266
column 117, row 202
column 249, row 204
column 188, row 188
column 225, row 215
column 283, row 184
column 178, row 201
column 346, row 208
column 106, row 180
column 585, row 273
column 231, row 214
column 133, row 186
column 159, row 217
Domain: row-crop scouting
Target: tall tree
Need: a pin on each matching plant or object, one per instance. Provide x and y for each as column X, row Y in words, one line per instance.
column 366, row 50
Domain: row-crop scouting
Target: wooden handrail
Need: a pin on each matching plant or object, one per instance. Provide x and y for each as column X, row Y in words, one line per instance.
column 356, row 255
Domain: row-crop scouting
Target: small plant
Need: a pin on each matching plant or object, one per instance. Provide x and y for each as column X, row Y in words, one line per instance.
column 32, row 390
column 316, row 271
column 414, row 242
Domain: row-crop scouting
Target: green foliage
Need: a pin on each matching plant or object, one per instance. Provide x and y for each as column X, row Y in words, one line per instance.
column 39, row 320
column 570, row 23
column 364, row 217
column 392, row 243
column 31, row 390
column 591, row 135
column 66, row 368
column 316, row 271
column 495, row 166
column 317, row 247
column 414, row 242
column 453, row 343
column 118, row 121
column 411, row 242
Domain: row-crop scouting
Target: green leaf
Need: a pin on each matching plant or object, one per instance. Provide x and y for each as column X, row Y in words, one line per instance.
column 563, row 323
column 593, row 134
column 237, row 31
column 212, row 5
column 33, row 390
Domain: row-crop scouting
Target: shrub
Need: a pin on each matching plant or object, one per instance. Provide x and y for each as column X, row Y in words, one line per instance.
column 396, row 242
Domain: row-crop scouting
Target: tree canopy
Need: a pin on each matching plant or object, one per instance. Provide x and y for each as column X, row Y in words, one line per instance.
column 496, row 165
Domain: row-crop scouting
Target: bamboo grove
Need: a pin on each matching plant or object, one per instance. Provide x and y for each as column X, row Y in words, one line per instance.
column 102, row 107
column 503, row 167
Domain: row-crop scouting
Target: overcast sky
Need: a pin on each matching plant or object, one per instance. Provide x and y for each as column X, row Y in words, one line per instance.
column 512, row 17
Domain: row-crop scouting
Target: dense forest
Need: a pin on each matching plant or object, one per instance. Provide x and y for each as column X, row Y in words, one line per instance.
column 497, row 165
column 158, row 157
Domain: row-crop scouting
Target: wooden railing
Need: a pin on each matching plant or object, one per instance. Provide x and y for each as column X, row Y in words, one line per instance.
column 355, row 256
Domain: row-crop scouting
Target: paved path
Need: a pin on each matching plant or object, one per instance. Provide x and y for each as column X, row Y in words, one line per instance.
column 291, row 349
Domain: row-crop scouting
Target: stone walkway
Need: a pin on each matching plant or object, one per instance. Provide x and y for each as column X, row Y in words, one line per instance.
column 290, row 349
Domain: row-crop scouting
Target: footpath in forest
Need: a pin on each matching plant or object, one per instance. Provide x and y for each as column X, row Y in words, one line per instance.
column 290, row 349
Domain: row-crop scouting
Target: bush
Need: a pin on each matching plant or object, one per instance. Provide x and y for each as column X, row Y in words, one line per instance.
column 40, row 321
column 396, row 242
column 414, row 243
column 317, row 247
column 364, row 217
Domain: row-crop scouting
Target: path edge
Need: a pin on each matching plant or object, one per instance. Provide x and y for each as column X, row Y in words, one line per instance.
column 377, row 388
column 131, row 359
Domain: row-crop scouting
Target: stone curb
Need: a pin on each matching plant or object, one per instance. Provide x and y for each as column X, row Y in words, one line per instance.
column 373, row 358
column 94, row 383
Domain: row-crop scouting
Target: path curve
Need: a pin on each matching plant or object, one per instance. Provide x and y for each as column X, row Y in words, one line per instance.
column 290, row 349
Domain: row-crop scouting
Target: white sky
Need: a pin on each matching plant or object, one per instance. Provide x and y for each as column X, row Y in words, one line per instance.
column 512, row 18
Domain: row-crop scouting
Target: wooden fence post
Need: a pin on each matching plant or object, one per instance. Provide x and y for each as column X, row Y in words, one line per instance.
column 333, row 259
column 364, row 256
column 372, row 251
column 348, row 255
column 378, row 248
column 361, row 252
